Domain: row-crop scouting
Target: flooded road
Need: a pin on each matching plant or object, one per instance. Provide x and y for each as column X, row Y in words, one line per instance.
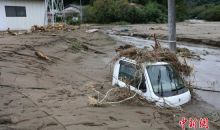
column 206, row 71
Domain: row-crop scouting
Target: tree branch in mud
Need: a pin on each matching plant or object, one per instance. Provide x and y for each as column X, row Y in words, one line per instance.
column 103, row 102
column 41, row 55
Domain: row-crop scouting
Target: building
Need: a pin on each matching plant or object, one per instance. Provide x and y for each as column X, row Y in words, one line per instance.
column 22, row 14
column 71, row 10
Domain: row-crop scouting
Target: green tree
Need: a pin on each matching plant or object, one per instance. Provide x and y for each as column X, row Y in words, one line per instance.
column 155, row 13
column 211, row 14
column 134, row 14
column 181, row 10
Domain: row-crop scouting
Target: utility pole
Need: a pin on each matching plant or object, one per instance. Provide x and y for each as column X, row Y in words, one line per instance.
column 172, row 25
column 53, row 12
column 81, row 13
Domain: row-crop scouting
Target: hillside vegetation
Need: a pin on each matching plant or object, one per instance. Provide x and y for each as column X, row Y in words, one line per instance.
column 147, row 11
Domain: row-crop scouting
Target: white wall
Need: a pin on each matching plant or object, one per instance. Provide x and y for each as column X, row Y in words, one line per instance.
column 35, row 13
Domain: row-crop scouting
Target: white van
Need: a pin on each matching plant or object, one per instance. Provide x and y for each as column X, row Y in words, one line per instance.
column 159, row 82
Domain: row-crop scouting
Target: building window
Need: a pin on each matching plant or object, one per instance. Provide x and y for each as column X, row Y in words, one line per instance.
column 15, row 11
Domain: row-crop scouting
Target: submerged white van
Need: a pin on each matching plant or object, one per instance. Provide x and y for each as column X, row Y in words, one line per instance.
column 159, row 82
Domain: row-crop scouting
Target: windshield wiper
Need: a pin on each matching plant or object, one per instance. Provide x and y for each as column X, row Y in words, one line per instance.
column 161, row 87
column 160, row 83
column 176, row 83
column 178, row 88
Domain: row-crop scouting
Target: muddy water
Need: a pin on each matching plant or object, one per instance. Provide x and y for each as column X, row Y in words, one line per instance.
column 206, row 72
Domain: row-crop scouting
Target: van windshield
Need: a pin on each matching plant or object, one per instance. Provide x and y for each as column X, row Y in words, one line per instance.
column 165, row 81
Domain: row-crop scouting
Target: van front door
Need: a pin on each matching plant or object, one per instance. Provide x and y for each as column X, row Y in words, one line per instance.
column 130, row 75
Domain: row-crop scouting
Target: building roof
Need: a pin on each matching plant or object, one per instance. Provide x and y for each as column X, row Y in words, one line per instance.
column 71, row 8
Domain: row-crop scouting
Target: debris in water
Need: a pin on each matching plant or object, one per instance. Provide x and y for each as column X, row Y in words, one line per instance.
column 126, row 46
column 41, row 55
column 49, row 28
column 12, row 33
column 92, row 30
column 155, row 55
column 186, row 53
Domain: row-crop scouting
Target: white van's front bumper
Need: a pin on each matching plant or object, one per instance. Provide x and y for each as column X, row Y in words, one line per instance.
column 175, row 101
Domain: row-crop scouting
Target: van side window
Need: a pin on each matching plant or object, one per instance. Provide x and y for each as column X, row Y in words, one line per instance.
column 128, row 74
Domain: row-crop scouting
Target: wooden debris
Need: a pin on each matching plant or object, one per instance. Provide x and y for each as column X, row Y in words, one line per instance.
column 38, row 28
column 50, row 28
column 186, row 53
column 11, row 33
column 130, row 52
column 158, row 54
column 120, row 48
column 157, row 44
column 92, row 30
column 41, row 55
column 94, row 102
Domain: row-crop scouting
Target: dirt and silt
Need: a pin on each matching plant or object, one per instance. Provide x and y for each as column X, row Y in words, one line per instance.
column 53, row 94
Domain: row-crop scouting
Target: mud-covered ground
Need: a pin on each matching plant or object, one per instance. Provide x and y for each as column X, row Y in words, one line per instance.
column 195, row 31
column 53, row 94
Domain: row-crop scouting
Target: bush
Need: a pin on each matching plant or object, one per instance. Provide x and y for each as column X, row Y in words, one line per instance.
column 197, row 10
column 106, row 11
column 181, row 10
column 89, row 14
column 134, row 14
column 58, row 19
column 154, row 13
column 143, row 2
column 211, row 14
column 208, row 12
column 146, row 11
column 70, row 21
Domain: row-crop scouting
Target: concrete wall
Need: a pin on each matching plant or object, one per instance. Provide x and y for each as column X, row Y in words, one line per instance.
column 35, row 13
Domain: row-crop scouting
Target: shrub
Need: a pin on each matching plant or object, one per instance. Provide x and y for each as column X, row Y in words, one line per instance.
column 181, row 10
column 58, row 19
column 70, row 21
column 143, row 2
column 106, row 11
column 154, row 13
column 134, row 14
column 197, row 10
column 146, row 11
column 89, row 14
column 211, row 14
